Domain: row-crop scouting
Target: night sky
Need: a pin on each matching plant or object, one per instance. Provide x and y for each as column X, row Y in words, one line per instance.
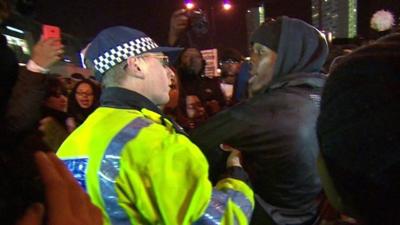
column 85, row 18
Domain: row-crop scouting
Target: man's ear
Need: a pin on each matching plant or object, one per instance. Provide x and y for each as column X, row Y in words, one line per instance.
column 135, row 67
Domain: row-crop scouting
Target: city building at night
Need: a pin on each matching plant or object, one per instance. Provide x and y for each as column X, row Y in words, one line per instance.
column 254, row 17
column 338, row 17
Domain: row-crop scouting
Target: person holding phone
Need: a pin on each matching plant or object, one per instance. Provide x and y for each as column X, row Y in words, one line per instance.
column 25, row 94
column 33, row 194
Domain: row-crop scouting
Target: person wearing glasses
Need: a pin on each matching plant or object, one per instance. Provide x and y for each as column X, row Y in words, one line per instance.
column 138, row 166
column 230, row 64
column 83, row 100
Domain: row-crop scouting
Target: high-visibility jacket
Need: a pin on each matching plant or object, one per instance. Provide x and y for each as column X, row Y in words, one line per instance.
column 139, row 170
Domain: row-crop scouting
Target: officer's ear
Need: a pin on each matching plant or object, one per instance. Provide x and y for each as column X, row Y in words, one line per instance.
column 135, row 67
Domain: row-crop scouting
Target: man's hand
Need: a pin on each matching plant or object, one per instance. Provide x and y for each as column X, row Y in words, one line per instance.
column 46, row 52
column 66, row 202
column 234, row 157
column 178, row 24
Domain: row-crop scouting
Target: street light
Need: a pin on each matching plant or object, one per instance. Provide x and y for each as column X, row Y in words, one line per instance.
column 226, row 5
column 189, row 4
column 208, row 15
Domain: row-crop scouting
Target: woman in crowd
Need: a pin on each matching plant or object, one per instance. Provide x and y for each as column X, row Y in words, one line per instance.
column 55, row 103
column 55, row 124
column 83, row 100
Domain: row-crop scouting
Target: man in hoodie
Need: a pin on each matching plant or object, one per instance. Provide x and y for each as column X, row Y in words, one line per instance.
column 275, row 128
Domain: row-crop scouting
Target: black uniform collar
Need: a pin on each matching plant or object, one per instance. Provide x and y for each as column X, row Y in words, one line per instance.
column 121, row 98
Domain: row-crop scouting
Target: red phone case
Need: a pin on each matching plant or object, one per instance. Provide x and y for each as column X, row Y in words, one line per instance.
column 50, row 31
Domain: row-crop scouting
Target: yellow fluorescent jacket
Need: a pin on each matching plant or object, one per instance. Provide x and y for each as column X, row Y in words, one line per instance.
column 138, row 170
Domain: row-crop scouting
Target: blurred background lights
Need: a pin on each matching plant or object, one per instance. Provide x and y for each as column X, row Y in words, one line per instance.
column 189, row 4
column 227, row 5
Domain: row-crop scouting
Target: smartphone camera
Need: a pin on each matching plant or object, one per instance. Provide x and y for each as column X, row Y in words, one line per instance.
column 198, row 21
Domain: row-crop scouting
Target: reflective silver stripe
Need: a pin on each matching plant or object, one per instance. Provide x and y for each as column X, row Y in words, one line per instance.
column 109, row 170
column 241, row 200
column 216, row 208
column 316, row 99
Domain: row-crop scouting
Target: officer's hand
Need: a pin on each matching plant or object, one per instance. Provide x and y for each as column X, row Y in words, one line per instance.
column 178, row 24
column 47, row 52
column 234, row 158
column 66, row 202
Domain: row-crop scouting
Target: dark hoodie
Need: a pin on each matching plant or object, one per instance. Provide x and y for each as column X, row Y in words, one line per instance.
column 275, row 129
column 301, row 49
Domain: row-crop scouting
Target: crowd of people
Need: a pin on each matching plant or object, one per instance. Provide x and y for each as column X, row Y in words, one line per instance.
column 283, row 139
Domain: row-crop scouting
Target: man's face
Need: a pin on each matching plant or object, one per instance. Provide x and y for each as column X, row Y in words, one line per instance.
column 229, row 70
column 263, row 60
column 192, row 59
column 158, row 77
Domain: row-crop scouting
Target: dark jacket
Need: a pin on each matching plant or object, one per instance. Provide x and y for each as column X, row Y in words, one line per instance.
column 275, row 129
column 275, row 132
column 24, row 107
column 20, row 122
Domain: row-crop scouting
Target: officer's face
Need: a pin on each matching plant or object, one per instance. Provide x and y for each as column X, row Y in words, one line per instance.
column 159, row 77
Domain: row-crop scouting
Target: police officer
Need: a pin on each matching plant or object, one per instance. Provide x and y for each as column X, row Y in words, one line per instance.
column 137, row 165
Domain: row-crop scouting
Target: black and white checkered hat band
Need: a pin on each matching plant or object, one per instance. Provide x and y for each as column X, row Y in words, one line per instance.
column 122, row 52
